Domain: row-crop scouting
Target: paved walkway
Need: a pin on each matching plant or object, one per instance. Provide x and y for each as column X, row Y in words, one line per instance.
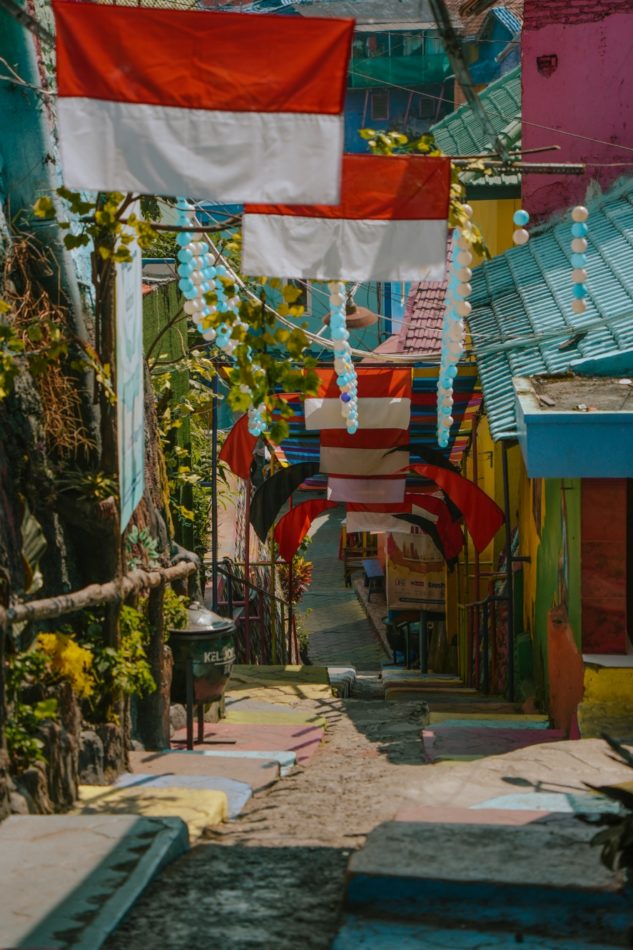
column 340, row 633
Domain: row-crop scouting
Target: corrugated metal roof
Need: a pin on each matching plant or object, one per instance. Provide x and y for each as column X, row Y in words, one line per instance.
column 471, row 24
column 461, row 132
column 505, row 16
column 522, row 303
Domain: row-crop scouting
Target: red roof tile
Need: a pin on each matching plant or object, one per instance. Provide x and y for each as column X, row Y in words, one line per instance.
column 421, row 330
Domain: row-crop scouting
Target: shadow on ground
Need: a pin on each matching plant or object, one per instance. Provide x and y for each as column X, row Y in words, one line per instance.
column 237, row 896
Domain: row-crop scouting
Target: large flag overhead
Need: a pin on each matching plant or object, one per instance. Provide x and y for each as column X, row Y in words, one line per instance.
column 216, row 106
column 391, row 224
column 360, row 466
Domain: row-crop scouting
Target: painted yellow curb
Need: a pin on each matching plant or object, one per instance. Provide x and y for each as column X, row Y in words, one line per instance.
column 274, row 718
column 198, row 808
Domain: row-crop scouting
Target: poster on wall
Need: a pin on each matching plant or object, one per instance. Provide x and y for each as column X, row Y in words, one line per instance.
column 129, row 383
column 415, row 573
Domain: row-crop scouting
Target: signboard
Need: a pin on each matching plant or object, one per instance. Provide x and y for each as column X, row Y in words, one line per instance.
column 129, row 383
column 416, row 578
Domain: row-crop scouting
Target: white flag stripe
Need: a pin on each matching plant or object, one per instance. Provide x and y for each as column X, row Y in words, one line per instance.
column 368, row 490
column 423, row 513
column 224, row 156
column 338, row 461
column 376, row 523
column 386, row 413
column 342, row 249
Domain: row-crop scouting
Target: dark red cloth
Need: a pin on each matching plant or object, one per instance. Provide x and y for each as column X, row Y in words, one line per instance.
column 295, row 524
column 482, row 515
column 238, row 448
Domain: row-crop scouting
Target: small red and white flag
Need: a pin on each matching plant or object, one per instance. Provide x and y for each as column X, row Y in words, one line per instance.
column 216, row 106
column 391, row 224
column 369, row 490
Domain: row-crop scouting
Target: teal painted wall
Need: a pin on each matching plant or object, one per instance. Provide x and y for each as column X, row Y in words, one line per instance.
column 558, row 581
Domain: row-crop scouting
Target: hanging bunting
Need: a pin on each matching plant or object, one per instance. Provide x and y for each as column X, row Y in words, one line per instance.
column 292, row 528
column 579, row 232
column 238, row 448
column 482, row 515
column 271, row 496
column 220, row 106
column 391, row 225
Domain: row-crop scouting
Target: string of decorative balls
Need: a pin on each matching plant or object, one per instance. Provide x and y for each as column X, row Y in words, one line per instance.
column 346, row 378
column 199, row 275
column 457, row 308
column 579, row 231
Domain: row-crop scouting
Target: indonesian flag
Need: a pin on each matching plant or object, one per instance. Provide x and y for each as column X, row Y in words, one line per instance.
column 391, row 224
column 216, row 106
column 360, row 466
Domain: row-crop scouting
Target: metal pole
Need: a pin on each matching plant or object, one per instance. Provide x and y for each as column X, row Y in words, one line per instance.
column 214, row 494
column 247, row 571
column 290, row 614
column 189, row 701
column 509, row 577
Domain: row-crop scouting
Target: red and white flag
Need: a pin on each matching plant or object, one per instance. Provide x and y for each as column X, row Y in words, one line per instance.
column 391, row 224
column 368, row 490
column 360, row 466
column 216, row 106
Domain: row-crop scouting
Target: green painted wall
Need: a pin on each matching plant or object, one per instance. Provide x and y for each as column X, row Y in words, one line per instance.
column 558, row 567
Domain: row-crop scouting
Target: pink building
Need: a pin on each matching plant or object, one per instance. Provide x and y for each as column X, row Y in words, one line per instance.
column 577, row 77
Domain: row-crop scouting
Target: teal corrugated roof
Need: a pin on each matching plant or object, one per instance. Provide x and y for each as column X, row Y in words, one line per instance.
column 522, row 303
column 461, row 132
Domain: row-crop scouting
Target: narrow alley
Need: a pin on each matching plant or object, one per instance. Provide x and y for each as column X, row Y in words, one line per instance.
column 316, row 475
column 276, row 876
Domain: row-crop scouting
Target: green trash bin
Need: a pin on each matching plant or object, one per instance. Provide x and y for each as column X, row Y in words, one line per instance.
column 204, row 653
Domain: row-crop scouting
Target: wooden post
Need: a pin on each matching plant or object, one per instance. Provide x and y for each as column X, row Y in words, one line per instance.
column 153, row 719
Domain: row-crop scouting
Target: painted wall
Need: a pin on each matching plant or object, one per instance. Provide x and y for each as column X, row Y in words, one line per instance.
column 558, row 573
column 576, row 77
column 604, row 565
column 494, row 220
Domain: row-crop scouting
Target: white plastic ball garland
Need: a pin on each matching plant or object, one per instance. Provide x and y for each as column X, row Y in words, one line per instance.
column 457, row 307
column 579, row 244
column 199, row 276
column 346, row 374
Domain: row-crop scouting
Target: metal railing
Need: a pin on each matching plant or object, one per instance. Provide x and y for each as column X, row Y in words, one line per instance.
column 267, row 622
column 481, row 625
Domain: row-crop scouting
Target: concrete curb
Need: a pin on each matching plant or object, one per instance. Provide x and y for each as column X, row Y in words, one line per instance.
column 86, row 884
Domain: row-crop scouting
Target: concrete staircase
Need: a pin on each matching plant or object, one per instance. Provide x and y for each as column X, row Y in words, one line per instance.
column 460, row 878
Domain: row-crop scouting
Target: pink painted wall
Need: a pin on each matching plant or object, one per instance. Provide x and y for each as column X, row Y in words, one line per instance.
column 604, row 568
column 590, row 93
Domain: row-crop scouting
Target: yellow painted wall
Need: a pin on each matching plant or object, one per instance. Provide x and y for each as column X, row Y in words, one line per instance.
column 494, row 220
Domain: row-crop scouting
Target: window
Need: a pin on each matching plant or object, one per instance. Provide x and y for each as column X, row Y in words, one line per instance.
column 380, row 105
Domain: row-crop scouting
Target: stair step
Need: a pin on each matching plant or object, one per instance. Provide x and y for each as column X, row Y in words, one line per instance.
column 544, row 878
column 68, row 880
column 453, row 742
column 361, row 933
